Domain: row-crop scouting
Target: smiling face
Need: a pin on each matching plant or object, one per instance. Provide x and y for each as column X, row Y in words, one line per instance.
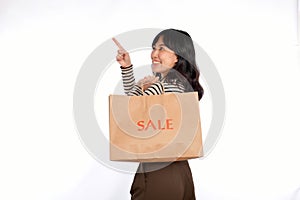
column 163, row 58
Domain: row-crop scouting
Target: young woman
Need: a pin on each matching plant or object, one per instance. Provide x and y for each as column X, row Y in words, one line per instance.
column 174, row 66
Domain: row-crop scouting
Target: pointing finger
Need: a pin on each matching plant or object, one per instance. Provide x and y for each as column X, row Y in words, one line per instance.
column 118, row 44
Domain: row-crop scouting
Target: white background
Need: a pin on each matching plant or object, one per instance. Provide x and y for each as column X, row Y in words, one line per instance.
column 253, row 44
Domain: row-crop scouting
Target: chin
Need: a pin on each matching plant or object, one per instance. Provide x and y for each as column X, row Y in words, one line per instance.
column 156, row 67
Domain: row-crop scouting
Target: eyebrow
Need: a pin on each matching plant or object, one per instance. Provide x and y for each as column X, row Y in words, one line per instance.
column 160, row 45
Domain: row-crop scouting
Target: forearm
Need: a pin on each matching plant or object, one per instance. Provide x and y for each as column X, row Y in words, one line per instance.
column 128, row 79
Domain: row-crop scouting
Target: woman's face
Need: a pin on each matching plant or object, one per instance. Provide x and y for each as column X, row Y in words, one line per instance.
column 163, row 58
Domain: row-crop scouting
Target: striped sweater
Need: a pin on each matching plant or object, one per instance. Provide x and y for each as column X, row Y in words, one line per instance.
column 132, row 89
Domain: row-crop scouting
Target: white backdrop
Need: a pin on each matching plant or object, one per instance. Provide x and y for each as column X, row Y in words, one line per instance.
column 253, row 44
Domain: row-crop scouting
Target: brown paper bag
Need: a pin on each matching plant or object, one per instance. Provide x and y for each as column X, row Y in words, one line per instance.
column 155, row 128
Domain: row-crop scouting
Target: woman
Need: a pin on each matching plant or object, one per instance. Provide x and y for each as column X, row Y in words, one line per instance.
column 174, row 66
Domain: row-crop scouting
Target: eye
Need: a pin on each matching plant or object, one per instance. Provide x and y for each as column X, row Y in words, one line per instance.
column 160, row 48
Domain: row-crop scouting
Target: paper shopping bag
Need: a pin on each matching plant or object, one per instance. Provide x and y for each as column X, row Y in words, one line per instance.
column 155, row 128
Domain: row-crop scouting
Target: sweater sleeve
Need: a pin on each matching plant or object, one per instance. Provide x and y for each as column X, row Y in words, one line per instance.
column 162, row 87
column 132, row 89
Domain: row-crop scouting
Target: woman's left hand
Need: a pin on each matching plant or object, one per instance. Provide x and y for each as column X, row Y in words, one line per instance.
column 147, row 81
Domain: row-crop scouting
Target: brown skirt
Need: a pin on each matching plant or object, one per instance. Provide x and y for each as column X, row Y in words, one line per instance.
column 172, row 182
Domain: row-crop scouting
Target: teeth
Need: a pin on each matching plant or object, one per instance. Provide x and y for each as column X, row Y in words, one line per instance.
column 155, row 62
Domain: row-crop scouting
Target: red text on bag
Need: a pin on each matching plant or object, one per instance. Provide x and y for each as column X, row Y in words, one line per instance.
column 155, row 125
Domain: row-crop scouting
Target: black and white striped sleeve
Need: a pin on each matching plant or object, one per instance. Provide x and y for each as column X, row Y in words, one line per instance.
column 132, row 89
column 178, row 87
column 128, row 79
column 160, row 88
column 155, row 89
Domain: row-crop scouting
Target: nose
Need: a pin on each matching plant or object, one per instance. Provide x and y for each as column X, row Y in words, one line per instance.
column 154, row 53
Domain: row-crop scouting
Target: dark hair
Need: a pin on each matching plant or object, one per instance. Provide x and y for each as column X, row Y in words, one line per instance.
column 182, row 44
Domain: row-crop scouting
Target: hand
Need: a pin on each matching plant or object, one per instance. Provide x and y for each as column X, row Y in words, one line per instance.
column 123, row 57
column 147, row 81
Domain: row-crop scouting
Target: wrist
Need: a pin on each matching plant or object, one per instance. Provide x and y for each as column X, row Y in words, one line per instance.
column 124, row 67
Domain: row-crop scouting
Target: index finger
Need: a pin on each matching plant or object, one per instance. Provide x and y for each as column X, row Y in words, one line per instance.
column 118, row 44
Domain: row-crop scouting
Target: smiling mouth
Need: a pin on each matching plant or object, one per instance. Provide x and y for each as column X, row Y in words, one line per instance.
column 155, row 62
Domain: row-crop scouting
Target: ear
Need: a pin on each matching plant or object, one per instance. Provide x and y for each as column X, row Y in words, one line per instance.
column 175, row 60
